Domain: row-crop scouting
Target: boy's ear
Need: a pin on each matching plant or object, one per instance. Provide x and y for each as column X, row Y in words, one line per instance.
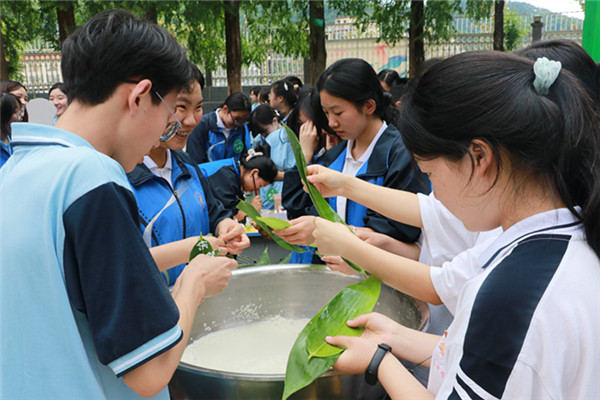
column 134, row 97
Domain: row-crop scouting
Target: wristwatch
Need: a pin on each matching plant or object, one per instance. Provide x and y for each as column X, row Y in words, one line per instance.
column 371, row 372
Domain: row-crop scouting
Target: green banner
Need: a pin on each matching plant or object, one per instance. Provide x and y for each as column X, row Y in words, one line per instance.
column 591, row 29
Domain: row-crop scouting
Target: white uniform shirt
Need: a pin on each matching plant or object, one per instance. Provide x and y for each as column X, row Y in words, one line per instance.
column 221, row 125
column 352, row 166
column 164, row 172
column 526, row 326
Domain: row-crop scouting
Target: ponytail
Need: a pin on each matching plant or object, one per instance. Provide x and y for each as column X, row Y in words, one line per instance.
column 267, row 169
column 549, row 134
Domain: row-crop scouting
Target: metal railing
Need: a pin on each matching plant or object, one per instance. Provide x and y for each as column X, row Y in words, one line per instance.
column 343, row 39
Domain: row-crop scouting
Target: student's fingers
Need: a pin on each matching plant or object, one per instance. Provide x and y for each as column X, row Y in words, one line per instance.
column 232, row 231
column 340, row 341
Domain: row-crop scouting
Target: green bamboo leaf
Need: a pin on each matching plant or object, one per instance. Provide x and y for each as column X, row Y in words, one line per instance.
column 311, row 356
column 322, row 205
column 255, row 216
column 264, row 258
column 203, row 246
column 286, row 260
column 275, row 223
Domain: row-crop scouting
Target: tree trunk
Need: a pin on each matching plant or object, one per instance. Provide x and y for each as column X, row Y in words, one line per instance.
column 3, row 62
column 65, row 15
column 318, row 52
column 499, row 25
column 151, row 13
column 233, row 46
column 416, row 50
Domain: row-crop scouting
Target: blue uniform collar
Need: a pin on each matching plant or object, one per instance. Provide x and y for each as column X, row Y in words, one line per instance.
column 554, row 221
column 28, row 133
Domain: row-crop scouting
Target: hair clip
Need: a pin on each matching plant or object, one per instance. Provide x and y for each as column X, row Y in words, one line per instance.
column 285, row 86
column 252, row 153
column 546, row 71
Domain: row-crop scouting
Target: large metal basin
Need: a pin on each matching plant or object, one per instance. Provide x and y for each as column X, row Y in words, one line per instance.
column 292, row 291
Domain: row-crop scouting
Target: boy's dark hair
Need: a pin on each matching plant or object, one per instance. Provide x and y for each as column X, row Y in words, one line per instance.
column 115, row 47
column 197, row 75
column 237, row 102
column 550, row 138
column 10, row 105
column 354, row 80
column 267, row 169
column 58, row 85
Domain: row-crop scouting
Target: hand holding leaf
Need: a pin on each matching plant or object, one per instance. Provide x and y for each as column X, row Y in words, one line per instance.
column 332, row 239
column 328, row 182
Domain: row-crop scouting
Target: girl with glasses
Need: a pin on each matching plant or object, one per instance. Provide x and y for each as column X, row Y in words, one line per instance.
column 222, row 133
column 271, row 134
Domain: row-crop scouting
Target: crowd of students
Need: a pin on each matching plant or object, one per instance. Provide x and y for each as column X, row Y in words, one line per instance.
column 476, row 187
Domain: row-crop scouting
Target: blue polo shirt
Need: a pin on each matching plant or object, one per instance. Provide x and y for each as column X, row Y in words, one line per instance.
column 81, row 300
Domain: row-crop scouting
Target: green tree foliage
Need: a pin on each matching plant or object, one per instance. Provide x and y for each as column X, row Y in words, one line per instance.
column 393, row 16
column 20, row 24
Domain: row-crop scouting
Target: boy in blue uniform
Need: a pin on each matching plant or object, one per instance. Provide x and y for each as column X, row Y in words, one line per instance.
column 84, row 310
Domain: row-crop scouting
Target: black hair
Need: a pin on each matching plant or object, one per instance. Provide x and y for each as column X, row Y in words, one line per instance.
column 316, row 115
column 58, row 85
column 9, row 105
column 262, row 115
column 267, row 169
column 114, row 47
column 297, row 82
column 287, row 90
column 197, row 75
column 263, row 95
column 572, row 57
column 390, row 77
column 553, row 138
column 237, row 102
column 255, row 90
column 354, row 80
column 9, row 86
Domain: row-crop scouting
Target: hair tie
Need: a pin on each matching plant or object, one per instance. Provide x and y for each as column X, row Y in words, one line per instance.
column 252, row 153
column 546, row 71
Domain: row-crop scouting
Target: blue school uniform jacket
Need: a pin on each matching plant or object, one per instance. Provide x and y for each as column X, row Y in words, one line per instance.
column 208, row 143
column 167, row 214
column 224, row 178
column 389, row 165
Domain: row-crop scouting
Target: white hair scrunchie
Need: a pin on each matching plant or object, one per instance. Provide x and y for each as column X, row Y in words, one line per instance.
column 546, row 71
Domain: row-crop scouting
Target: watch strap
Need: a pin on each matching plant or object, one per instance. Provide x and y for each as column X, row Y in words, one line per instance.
column 371, row 372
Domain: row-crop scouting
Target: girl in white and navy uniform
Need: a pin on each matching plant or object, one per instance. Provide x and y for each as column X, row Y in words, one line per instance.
column 514, row 144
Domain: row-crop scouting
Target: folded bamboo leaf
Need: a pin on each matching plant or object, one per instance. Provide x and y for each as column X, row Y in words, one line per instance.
column 286, row 260
column 311, row 356
column 255, row 215
column 203, row 246
column 264, row 258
